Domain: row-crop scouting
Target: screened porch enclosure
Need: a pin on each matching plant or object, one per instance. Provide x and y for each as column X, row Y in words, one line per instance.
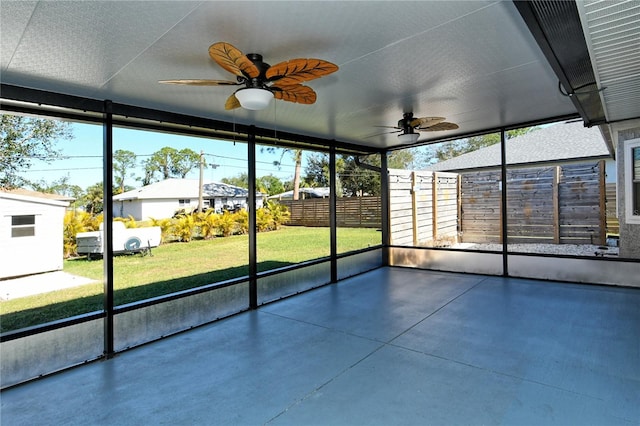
column 501, row 290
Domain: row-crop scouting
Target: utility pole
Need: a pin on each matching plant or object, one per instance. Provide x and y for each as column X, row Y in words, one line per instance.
column 201, row 183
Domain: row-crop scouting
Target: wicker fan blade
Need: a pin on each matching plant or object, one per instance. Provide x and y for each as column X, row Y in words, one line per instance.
column 441, row 126
column 233, row 60
column 232, row 102
column 295, row 93
column 297, row 71
column 425, row 122
column 201, row 82
column 390, row 127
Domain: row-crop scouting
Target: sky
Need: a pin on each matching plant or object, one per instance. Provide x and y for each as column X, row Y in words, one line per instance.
column 82, row 157
column 82, row 161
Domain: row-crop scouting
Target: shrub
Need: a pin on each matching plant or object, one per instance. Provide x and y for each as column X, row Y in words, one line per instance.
column 76, row 221
column 264, row 220
column 165, row 228
column 242, row 221
column 208, row 224
column 225, row 224
column 184, row 227
column 280, row 214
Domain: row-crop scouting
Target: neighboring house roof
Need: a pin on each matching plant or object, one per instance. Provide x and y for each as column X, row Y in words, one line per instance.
column 311, row 192
column 181, row 188
column 36, row 197
column 562, row 141
column 37, row 194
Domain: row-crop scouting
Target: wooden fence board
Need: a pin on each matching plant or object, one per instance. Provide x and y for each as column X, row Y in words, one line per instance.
column 360, row 212
column 561, row 203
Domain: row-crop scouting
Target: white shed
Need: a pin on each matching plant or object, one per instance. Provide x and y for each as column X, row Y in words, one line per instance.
column 31, row 232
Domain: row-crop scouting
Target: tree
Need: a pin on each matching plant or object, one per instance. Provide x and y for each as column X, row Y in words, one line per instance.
column 25, row 139
column 241, row 180
column 170, row 162
column 185, row 161
column 270, row 185
column 123, row 161
column 149, row 172
column 60, row 186
column 357, row 180
column 455, row 148
column 297, row 158
column 93, row 199
column 317, row 171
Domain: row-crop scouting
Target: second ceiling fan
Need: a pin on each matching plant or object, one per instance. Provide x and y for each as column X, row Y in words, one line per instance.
column 407, row 127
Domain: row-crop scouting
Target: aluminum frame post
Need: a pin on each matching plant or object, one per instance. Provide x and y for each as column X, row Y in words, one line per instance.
column 253, row 229
column 333, row 199
column 385, row 206
column 107, row 256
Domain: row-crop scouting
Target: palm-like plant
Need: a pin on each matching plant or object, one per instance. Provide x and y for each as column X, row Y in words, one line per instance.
column 183, row 227
column 75, row 222
column 279, row 213
column 208, row 224
column 225, row 224
column 241, row 219
column 264, row 220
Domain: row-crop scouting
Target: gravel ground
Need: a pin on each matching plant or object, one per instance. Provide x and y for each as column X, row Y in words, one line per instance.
column 567, row 249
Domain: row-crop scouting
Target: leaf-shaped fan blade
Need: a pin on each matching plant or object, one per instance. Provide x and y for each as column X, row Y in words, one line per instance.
column 296, row 93
column 297, row 71
column 441, row 126
column 201, row 82
column 232, row 102
column 424, row 122
column 233, row 60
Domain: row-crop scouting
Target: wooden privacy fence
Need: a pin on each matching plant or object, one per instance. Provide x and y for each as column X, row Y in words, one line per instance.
column 351, row 212
column 557, row 204
column 613, row 226
column 561, row 204
column 423, row 207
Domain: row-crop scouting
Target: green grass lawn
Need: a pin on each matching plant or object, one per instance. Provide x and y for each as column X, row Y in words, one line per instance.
column 178, row 266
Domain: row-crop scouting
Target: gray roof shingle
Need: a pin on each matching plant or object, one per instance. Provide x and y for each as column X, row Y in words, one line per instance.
column 181, row 188
column 562, row 141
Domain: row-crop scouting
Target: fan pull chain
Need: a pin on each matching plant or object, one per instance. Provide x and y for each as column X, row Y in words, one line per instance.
column 234, row 127
column 275, row 120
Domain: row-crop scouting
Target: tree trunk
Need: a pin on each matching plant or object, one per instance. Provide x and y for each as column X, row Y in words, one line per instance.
column 296, row 176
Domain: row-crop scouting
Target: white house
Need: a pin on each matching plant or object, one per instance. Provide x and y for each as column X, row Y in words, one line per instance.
column 163, row 199
column 304, row 193
column 31, row 232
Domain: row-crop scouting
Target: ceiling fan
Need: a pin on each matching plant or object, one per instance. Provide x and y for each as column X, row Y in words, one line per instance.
column 409, row 124
column 261, row 81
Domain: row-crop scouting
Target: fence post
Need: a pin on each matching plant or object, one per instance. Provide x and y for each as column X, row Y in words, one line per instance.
column 602, row 183
column 414, row 208
column 434, row 206
column 556, row 205
column 459, row 208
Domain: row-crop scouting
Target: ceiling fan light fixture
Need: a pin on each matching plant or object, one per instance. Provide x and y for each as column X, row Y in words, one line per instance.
column 254, row 98
column 408, row 138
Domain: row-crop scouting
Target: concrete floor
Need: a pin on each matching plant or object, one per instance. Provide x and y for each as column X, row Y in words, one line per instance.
column 390, row 347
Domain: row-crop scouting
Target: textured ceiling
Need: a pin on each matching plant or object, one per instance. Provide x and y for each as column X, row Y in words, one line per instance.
column 474, row 63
